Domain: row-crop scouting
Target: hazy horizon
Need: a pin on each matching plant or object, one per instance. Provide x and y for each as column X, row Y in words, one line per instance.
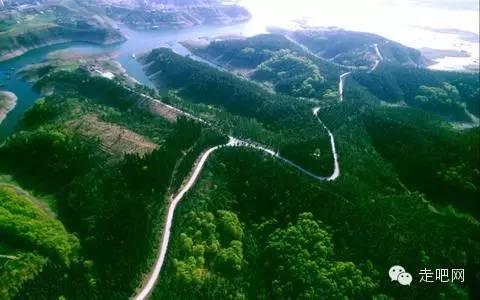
column 461, row 15
column 411, row 22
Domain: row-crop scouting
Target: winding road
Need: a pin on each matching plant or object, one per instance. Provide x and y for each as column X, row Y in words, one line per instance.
column 341, row 84
column 233, row 142
column 310, row 52
column 379, row 58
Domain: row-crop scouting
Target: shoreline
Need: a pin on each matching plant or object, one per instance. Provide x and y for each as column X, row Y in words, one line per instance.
column 8, row 101
column 23, row 50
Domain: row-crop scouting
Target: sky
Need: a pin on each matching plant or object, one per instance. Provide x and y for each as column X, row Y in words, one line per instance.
column 405, row 21
column 461, row 14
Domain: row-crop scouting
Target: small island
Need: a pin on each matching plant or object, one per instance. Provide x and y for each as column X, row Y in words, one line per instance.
column 8, row 101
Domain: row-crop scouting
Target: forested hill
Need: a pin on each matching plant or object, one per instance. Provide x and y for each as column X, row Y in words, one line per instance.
column 390, row 75
column 356, row 48
column 157, row 14
column 250, row 53
column 248, row 228
column 386, row 205
column 110, row 156
column 35, row 247
column 108, row 164
column 52, row 22
column 282, row 122
column 243, row 52
column 450, row 94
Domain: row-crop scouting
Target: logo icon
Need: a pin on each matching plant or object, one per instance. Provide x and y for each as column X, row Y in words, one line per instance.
column 398, row 273
column 395, row 271
column 404, row 278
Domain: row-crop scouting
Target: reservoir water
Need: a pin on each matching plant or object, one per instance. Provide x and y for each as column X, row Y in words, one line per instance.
column 138, row 42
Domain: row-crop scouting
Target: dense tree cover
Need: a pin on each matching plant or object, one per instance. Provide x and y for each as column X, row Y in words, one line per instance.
column 445, row 99
column 210, row 251
column 292, row 75
column 32, row 241
column 245, row 53
column 115, row 206
column 64, row 154
column 80, row 84
column 373, row 222
column 445, row 164
column 375, row 211
column 116, row 210
column 250, row 53
column 356, row 48
column 207, row 138
column 203, row 83
column 373, row 217
column 303, row 267
column 27, row 225
column 16, row 271
column 445, row 93
column 298, row 134
column 252, row 227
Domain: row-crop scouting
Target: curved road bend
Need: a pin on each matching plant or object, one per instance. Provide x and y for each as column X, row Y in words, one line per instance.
column 341, row 84
column 146, row 290
column 379, row 58
column 233, row 142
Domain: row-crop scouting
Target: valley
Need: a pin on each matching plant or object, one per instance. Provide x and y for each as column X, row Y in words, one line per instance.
column 202, row 165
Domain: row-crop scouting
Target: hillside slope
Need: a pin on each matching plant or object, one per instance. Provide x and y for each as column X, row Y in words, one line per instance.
column 156, row 14
column 35, row 248
column 52, row 22
column 356, row 48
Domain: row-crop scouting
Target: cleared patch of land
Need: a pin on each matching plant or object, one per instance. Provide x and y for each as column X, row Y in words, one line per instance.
column 158, row 108
column 115, row 139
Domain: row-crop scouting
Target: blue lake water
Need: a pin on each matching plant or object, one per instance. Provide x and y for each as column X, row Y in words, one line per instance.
column 138, row 42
